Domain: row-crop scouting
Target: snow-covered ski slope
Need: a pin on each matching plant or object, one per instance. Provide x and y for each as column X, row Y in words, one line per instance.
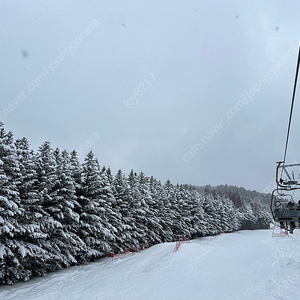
column 240, row 265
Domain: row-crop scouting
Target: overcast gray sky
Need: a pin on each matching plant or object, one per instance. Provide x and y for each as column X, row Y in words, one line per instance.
column 195, row 91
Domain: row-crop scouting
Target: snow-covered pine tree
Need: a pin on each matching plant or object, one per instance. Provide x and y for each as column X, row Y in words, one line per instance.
column 220, row 213
column 229, row 215
column 170, row 204
column 263, row 219
column 248, row 219
column 46, row 171
column 211, row 214
column 110, row 178
column 198, row 221
column 138, row 208
column 184, row 222
column 149, row 194
column 112, row 211
column 76, row 170
column 163, row 206
column 28, row 183
column 10, row 213
column 34, row 258
column 93, row 219
column 64, row 209
column 124, row 202
column 48, row 184
column 68, row 183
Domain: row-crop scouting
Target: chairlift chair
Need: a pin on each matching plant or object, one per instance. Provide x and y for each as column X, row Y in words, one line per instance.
column 283, row 207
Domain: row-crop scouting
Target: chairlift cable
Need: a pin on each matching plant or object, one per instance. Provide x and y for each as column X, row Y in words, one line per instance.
column 292, row 107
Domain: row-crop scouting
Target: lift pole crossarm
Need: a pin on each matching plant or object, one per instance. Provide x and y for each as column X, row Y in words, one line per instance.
column 287, row 166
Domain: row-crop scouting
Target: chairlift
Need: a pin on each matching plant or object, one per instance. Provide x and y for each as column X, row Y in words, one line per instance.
column 285, row 210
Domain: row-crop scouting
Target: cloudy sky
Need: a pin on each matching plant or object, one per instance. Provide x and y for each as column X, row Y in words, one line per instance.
column 195, row 91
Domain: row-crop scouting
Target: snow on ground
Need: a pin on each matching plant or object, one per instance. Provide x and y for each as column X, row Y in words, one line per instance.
column 240, row 265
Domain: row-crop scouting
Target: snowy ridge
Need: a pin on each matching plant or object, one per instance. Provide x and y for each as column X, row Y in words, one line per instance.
column 243, row 265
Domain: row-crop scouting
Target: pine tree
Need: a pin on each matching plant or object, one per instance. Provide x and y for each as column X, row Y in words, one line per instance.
column 65, row 202
column 94, row 221
column 148, row 193
column 211, row 215
column 138, row 207
column 124, row 200
column 197, row 216
column 48, row 185
column 171, row 213
column 161, row 229
column 183, row 219
column 112, row 211
column 11, row 231
column 229, row 215
column 163, row 210
column 34, row 258
column 248, row 219
column 76, row 171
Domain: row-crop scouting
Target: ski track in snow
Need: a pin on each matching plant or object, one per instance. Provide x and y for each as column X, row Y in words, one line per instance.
column 243, row 265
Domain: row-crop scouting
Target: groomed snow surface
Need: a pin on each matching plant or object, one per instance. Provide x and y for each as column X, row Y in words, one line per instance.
column 240, row 265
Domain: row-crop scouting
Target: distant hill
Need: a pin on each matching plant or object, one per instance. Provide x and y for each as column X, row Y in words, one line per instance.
column 238, row 195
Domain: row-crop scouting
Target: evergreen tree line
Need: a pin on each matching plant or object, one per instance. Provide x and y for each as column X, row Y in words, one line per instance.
column 239, row 195
column 56, row 212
